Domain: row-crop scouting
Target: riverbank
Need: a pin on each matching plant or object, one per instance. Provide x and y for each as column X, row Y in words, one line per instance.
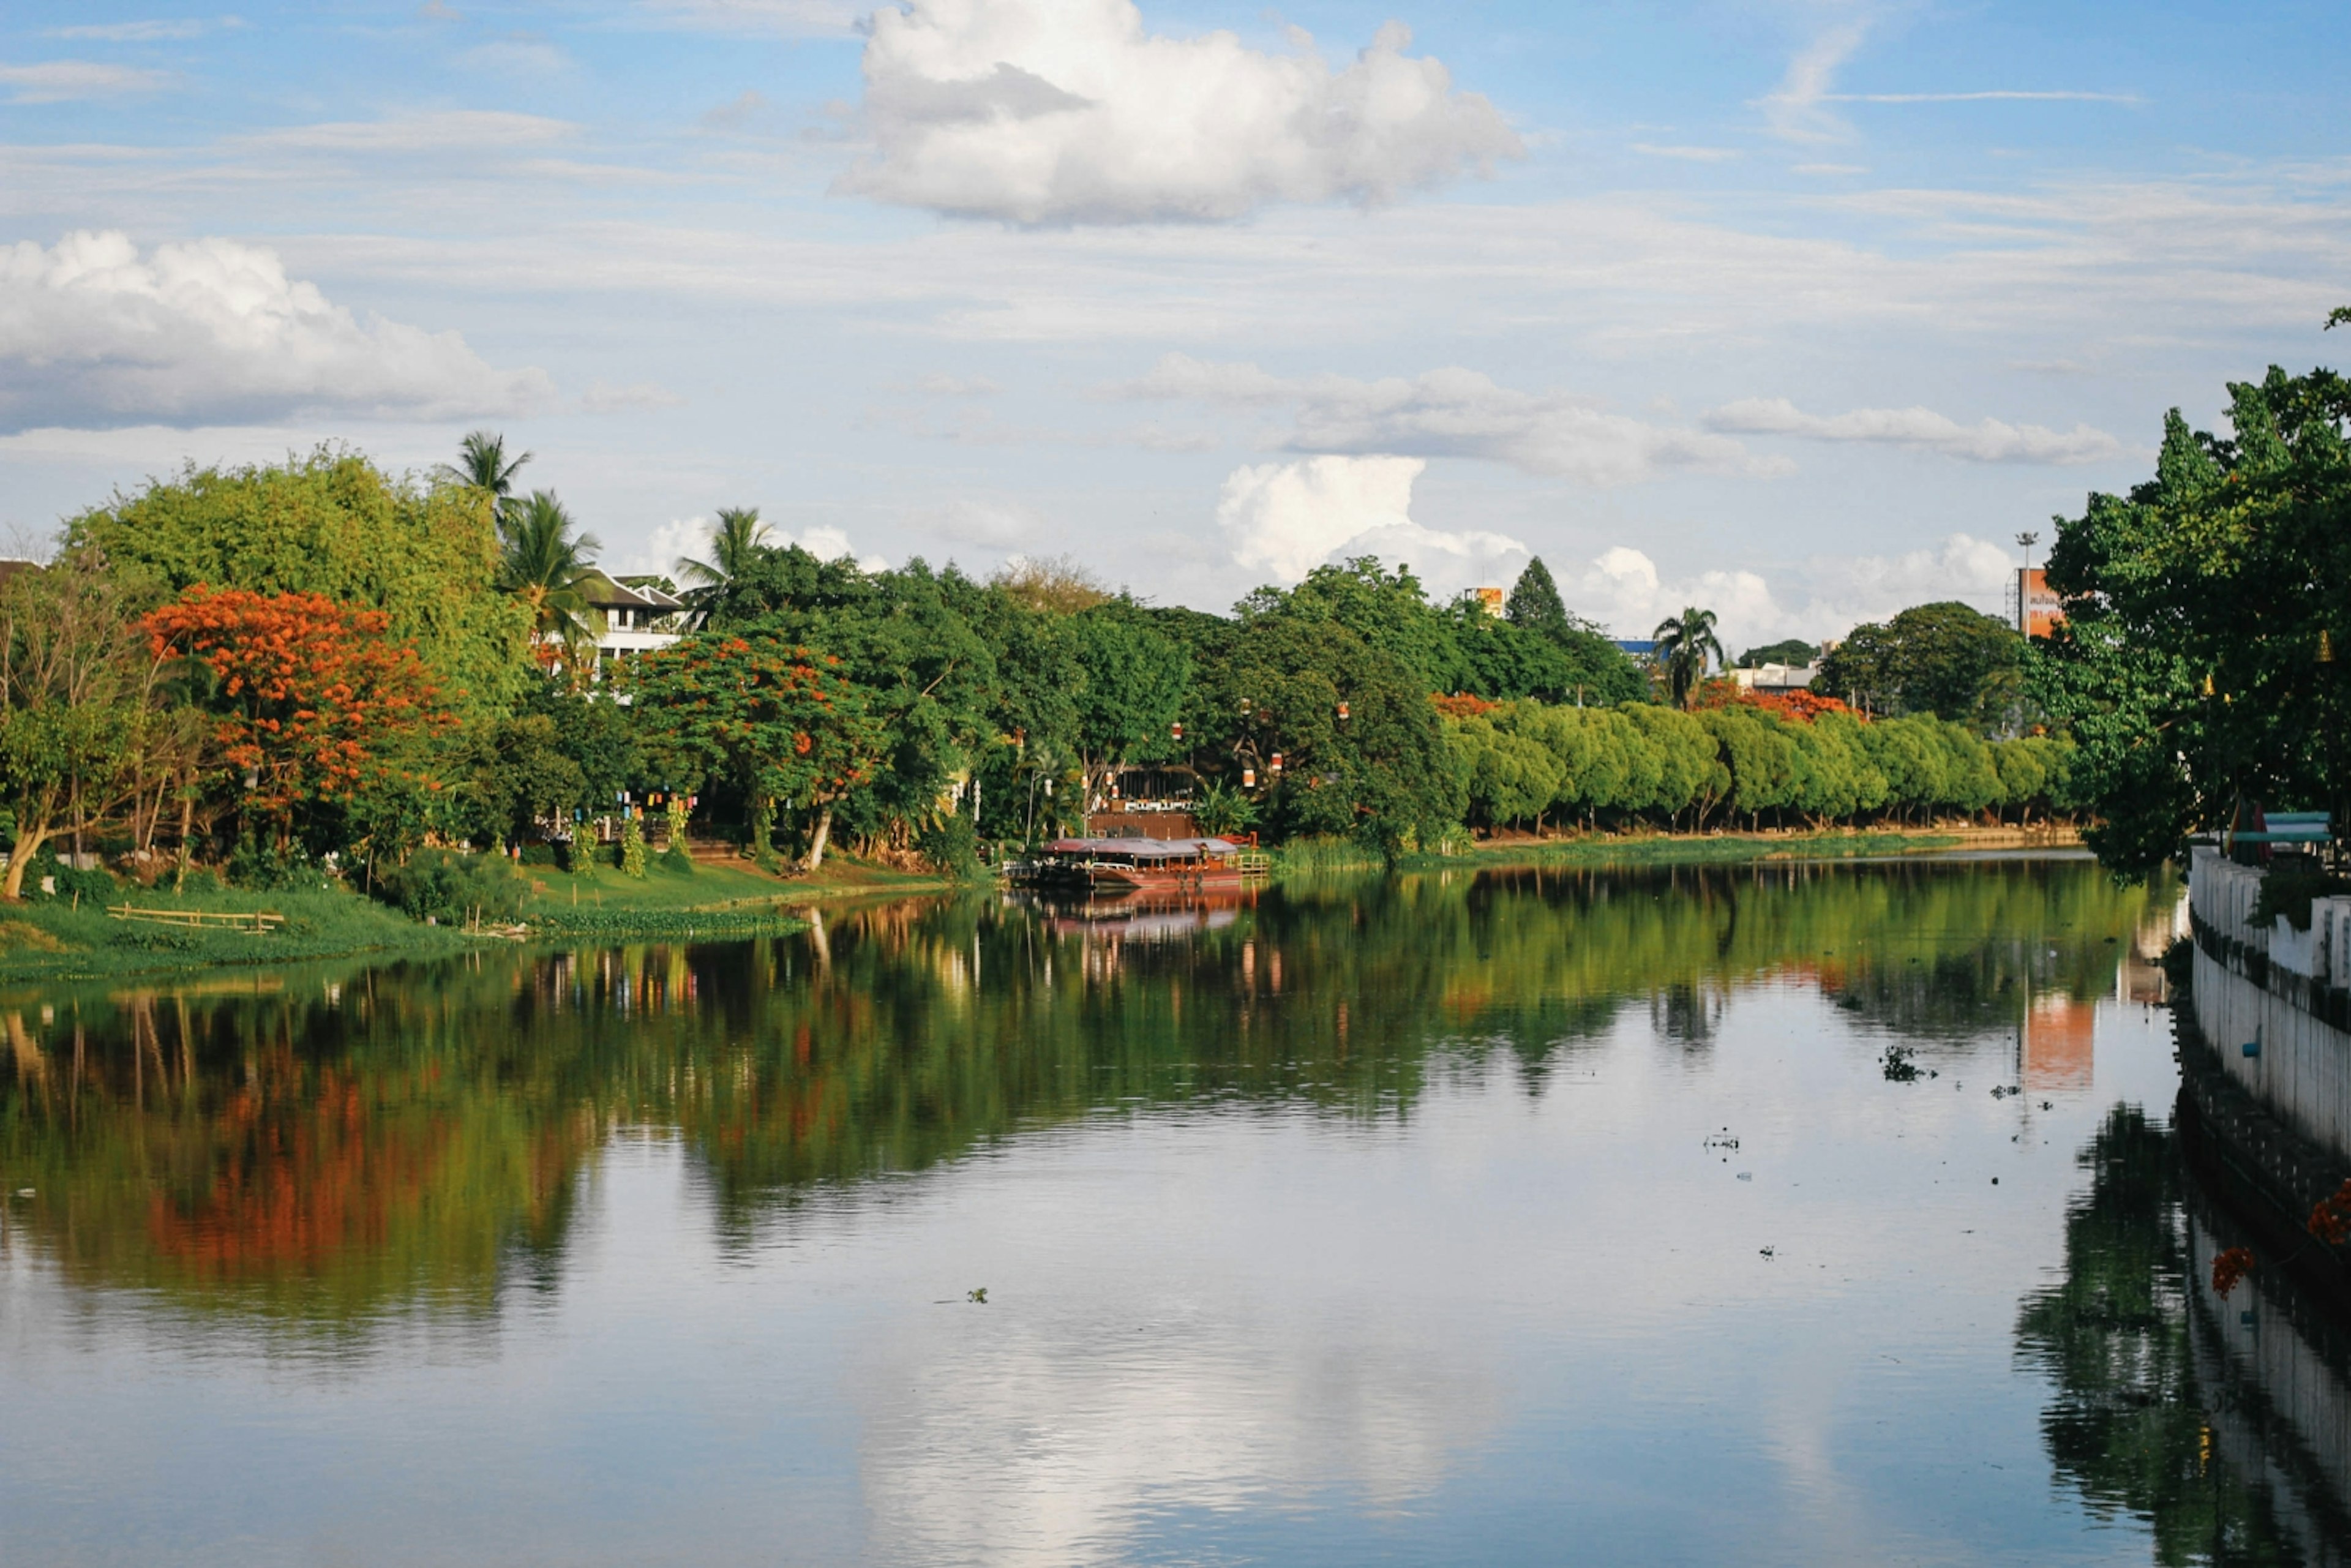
column 59, row 939
column 1598, row 850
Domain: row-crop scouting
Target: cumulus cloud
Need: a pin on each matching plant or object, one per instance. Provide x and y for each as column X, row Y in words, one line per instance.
column 688, row 538
column 63, row 81
column 1055, row 111
column 1623, row 589
column 1457, row 413
column 1921, row 429
column 212, row 331
column 1287, row 519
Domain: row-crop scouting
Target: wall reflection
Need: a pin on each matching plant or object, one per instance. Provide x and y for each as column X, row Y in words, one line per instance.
column 2224, row 1422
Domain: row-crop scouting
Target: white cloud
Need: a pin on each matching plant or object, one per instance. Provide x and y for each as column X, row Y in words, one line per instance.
column 1689, row 154
column 62, row 81
column 451, row 129
column 1793, row 109
column 1050, row 111
column 520, row 54
column 786, row 18
column 689, row 538
column 1287, row 519
column 1624, row 590
column 603, row 397
column 1994, row 96
column 1456, row 412
column 147, row 32
column 1921, row 429
column 212, row 331
column 992, row 524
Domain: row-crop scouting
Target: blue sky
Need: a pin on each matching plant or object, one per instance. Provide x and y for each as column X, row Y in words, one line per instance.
column 1800, row 311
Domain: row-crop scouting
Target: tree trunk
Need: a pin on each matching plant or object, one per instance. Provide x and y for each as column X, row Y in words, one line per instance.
column 28, row 844
column 818, row 839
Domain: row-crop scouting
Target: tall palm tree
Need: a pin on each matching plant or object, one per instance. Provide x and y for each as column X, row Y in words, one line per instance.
column 1684, row 644
column 735, row 544
column 482, row 462
column 544, row 563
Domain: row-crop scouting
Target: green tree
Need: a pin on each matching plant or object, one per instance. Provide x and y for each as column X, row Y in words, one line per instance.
column 777, row 719
column 736, row 546
column 1130, row 688
column 545, row 565
column 1534, row 604
column 1792, row 650
column 333, row 524
column 482, row 463
column 2200, row 664
column 1947, row 659
column 1686, row 647
column 74, row 677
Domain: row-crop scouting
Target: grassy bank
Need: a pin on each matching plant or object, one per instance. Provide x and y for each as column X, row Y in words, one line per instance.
column 50, row 938
column 1660, row 848
column 47, row 938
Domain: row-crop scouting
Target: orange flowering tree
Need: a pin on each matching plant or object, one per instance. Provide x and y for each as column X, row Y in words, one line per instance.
column 780, row 720
column 319, row 706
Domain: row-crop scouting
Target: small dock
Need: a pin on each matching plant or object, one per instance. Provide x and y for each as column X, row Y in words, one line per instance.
column 258, row 921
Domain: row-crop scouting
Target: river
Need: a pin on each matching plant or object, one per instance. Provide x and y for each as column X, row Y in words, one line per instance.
column 1784, row 1215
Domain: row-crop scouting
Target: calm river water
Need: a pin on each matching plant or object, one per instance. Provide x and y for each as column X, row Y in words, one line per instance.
column 1502, row 1218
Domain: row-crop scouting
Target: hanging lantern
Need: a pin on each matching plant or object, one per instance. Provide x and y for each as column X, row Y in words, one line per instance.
column 1245, row 708
column 2208, row 683
column 1274, row 763
column 1175, row 732
column 1249, row 778
column 2326, row 646
column 1342, row 713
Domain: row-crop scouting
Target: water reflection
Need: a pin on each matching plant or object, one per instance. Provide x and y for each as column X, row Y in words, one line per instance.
column 2223, row 1423
column 322, row 1146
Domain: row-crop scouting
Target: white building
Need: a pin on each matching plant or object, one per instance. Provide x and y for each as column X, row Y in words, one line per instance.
column 1776, row 680
column 636, row 620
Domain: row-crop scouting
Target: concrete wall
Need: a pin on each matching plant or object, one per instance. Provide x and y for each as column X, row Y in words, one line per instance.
column 2273, row 986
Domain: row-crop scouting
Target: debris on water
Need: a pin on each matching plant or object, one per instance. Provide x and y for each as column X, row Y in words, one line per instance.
column 23, row 1192
column 1897, row 1066
column 1746, row 1175
column 2044, row 1104
column 1995, row 1181
column 1722, row 1140
column 1766, row 1252
column 980, row 1295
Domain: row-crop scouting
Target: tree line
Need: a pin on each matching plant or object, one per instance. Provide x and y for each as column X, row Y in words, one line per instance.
column 318, row 662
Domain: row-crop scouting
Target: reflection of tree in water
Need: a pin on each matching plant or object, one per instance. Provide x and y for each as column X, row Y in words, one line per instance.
column 325, row 1143
column 2141, row 1400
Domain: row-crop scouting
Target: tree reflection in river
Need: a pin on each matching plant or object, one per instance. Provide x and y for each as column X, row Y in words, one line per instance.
column 2157, row 1414
column 324, row 1145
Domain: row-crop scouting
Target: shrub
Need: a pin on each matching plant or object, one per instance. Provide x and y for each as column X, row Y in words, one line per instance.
column 950, row 845
column 447, row 885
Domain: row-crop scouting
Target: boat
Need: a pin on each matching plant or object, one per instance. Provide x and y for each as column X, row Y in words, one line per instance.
column 1145, row 865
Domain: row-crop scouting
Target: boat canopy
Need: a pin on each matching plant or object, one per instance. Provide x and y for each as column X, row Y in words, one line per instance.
column 1145, row 849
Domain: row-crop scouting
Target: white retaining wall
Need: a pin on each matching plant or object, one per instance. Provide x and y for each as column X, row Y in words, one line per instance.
column 2303, row 1073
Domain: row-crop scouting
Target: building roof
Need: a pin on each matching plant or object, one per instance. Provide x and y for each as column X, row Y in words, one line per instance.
column 1143, row 848
column 606, row 594
column 10, row 566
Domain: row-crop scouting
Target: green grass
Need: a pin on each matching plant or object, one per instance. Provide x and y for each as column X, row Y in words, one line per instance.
column 50, row 938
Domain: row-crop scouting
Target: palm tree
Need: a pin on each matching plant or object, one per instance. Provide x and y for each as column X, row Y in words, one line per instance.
column 482, row 463
column 735, row 544
column 542, row 563
column 1684, row 644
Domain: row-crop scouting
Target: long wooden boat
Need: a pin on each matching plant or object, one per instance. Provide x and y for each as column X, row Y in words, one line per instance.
column 1145, row 865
